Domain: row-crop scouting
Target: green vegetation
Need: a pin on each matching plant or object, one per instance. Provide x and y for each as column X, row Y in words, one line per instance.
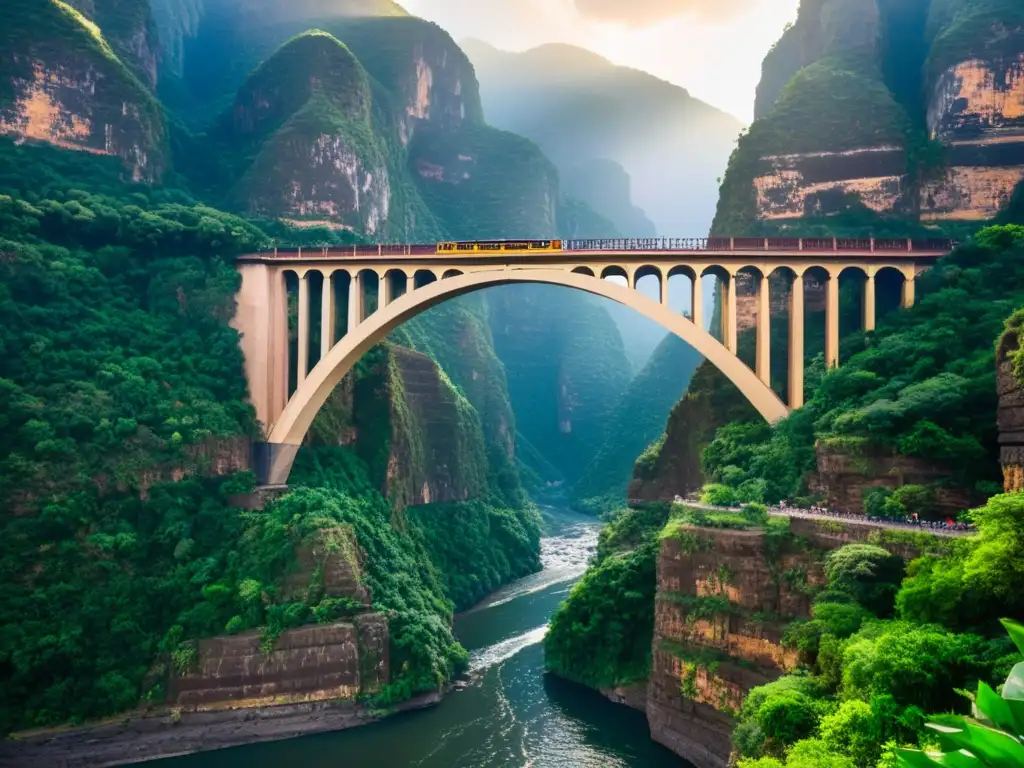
column 993, row 737
column 921, row 386
column 636, row 420
column 73, row 44
column 869, row 680
column 601, row 635
column 120, row 372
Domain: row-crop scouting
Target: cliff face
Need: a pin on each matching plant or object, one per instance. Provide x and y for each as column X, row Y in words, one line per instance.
column 64, row 85
column 673, row 467
column 323, row 662
column 975, row 107
column 420, row 437
column 723, row 601
column 129, row 27
column 305, row 113
column 910, row 110
column 704, row 662
column 844, row 475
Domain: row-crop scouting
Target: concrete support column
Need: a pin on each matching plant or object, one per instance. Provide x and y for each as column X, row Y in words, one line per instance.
column 729, row 335
column 303, row 329
column 869, row 304
column 764, row 344
column 282, row 358
column 386, row 290
column 796, row 343
column 697, row 302
column 832, row 323
column 261, row 317
column 664, row 290
column 327, row 316
column 907, row 298
column 355, row 302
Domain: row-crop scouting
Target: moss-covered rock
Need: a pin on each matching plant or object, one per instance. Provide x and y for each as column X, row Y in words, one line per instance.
column 129, row 27
column 300, row 137
column 61, row 83
column 485, row 183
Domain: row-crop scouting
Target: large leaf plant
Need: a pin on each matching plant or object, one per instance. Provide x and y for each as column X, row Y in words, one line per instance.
column 993, row 737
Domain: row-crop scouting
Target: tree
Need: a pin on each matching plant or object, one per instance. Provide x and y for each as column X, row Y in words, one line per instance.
column 993, row 737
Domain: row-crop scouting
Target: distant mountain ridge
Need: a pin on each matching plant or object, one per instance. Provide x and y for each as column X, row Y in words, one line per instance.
column 583, row 109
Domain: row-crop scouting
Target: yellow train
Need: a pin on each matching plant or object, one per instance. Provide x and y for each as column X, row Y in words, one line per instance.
column 492, row 246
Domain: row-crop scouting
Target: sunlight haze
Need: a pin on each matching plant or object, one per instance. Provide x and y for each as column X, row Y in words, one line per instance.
column 713, row 48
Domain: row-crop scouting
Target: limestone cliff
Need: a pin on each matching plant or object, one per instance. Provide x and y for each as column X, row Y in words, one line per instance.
column 975, row 106
column 723, row 601
column 302, row 141
column 419, row 436
column 917, row 116
column 63, row 84
column 844, row 473
column 129, row 27
column 671, row 466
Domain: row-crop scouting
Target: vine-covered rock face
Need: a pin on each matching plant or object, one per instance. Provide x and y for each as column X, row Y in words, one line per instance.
column 61, row 83
column 307, row 110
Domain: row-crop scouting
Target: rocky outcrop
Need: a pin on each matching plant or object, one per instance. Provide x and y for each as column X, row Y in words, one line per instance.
column 862, row 60
column 675, row 469
column 420, row 437
column 330, row 662
column 723, row 600
column 845, row 473
column 719, row 617
column 65, row 87
column 975, row 106
column 306, row 111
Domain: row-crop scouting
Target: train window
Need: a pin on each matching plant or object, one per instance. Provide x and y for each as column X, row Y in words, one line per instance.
column 466, row 246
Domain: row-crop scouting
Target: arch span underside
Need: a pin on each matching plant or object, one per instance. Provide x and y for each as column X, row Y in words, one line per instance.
column 291, row 427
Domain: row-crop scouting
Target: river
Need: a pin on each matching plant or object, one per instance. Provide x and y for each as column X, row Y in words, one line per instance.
column 511, row 715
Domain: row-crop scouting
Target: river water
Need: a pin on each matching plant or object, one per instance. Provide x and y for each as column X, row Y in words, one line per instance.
column 511, row 715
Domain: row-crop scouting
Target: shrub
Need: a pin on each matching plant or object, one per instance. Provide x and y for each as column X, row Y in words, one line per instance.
column 870, row 574
column 716, row 495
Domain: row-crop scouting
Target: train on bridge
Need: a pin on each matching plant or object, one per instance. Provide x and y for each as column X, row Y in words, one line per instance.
column 736, row 245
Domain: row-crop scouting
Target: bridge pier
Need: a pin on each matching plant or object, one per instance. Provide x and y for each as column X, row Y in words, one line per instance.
column 832, row 322
column 272, row 463
column 764, row 308
column 327, row 315
column 796, row 343
column 869, row 303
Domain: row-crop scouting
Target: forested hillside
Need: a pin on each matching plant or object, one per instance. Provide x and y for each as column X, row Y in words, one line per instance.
column 125, row 481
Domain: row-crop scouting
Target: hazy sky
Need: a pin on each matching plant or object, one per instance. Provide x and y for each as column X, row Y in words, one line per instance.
column 713, row 48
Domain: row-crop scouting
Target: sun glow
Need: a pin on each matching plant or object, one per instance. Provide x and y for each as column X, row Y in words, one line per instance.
column 712, row 48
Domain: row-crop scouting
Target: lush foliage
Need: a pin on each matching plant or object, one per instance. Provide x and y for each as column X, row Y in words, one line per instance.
column 917, row 386
column 601, row 635
column 871, row 680
column 994, row 736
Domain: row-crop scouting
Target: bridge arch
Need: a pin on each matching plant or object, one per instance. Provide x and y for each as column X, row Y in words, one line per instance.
column 291, row 427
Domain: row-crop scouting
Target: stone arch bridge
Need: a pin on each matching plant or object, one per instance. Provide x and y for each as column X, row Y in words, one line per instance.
column 413, row 278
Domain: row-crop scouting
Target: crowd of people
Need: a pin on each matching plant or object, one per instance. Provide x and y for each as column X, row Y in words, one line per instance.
column 910, row 521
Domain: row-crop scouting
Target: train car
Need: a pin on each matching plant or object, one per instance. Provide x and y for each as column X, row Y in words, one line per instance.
column 497, row 246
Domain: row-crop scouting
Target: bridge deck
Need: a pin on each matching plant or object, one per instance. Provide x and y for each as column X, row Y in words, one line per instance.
column 663, row 250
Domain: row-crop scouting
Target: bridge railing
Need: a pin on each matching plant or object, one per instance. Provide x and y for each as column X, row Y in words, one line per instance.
column 671, row 244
